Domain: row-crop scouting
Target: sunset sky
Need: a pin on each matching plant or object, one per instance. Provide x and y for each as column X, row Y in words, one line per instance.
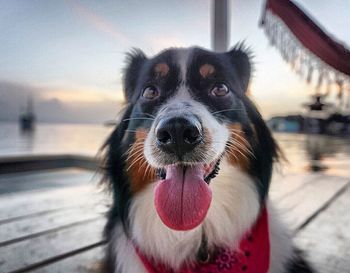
column 71, row 53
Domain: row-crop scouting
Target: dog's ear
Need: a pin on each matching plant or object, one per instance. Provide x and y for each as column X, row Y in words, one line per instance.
column 134, row 62
column 115, row 177
column 240, row 58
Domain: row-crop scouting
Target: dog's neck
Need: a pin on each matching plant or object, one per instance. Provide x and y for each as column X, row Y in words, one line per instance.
column 252, row 254
column 234, row 209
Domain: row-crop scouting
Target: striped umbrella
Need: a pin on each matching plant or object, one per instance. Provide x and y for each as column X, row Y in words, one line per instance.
column 312, row 52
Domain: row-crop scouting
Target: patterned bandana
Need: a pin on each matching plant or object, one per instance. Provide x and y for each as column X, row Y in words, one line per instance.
column 253, row 255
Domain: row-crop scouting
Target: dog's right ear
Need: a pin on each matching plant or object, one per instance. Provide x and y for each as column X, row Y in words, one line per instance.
column 240, row 57
column 134, row 62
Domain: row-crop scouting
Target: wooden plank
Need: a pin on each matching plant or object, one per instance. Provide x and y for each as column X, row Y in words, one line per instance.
column 12, row 183
column 33, row 204
column 51, row 213
column 18, row 256
column 284, row 184
column 42, row 173
column 327, row 237
column 20, row 205
column 306, row 198
column 14, row 164
column 85, row 262
column 28, row 228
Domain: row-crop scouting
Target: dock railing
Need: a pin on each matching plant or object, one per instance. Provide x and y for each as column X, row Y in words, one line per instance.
column 13, row 164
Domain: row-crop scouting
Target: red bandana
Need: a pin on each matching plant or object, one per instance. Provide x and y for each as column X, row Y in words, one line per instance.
column 253, row 255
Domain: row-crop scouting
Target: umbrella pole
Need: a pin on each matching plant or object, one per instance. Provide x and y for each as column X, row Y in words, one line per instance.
column 220, row 24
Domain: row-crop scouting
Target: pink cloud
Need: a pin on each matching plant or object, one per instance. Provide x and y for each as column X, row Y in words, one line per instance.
column 99, row 23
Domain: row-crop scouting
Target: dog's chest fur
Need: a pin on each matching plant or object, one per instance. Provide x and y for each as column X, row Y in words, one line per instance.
column 234, row 209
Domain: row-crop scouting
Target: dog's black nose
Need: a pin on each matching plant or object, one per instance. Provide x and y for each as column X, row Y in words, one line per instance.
column 178, row 135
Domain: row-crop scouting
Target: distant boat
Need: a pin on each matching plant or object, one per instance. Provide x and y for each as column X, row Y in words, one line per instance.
column 27, row 119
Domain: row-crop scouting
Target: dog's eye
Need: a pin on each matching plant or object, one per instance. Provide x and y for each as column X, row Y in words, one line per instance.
column 150, row 92
column 219, row 90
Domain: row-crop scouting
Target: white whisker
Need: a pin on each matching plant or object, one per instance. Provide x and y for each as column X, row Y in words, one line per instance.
column 127, row 119
column 134, row 162
column 227, row 110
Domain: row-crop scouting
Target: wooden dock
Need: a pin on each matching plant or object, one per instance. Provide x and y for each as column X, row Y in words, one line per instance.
column 51, row 220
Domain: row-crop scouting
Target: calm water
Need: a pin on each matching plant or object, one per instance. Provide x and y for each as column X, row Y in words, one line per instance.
column 327, row 154
column 82, row 139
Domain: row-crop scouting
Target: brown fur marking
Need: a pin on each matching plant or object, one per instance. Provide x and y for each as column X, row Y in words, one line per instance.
column 238, row 148
column 138, row 169
column 206, row 70
column 161, row 69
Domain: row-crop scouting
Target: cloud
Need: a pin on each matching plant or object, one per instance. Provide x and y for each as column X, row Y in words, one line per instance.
column 98, row 22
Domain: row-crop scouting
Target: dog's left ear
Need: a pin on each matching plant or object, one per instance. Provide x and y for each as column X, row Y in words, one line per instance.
column 134, row 62
column 240, row 59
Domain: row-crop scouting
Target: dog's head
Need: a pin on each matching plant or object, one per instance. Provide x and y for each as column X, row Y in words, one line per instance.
column 187, row 110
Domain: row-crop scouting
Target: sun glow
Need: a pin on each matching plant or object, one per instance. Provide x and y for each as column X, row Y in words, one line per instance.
column 84, row 95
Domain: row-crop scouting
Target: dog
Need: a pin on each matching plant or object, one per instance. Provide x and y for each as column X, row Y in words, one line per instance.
column 189, row 166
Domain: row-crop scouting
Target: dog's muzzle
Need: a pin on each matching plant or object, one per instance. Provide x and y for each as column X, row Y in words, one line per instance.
column 179, row 135
column 182, row 194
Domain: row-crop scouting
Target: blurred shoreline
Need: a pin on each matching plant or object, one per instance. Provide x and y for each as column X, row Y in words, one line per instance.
column 317, row 153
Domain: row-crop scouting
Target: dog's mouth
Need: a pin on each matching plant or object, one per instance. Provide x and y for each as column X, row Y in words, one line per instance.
column 183, row 195
column 210, row 170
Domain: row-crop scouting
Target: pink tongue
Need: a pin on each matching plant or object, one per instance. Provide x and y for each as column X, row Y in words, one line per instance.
column 182, row 199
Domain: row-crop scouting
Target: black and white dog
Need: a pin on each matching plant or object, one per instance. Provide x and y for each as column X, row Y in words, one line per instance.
column 189, row 166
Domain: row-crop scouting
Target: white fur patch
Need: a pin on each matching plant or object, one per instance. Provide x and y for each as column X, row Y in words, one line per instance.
column 280, row 242
column 183, row 56
column 234, row 208
column 127, row 260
